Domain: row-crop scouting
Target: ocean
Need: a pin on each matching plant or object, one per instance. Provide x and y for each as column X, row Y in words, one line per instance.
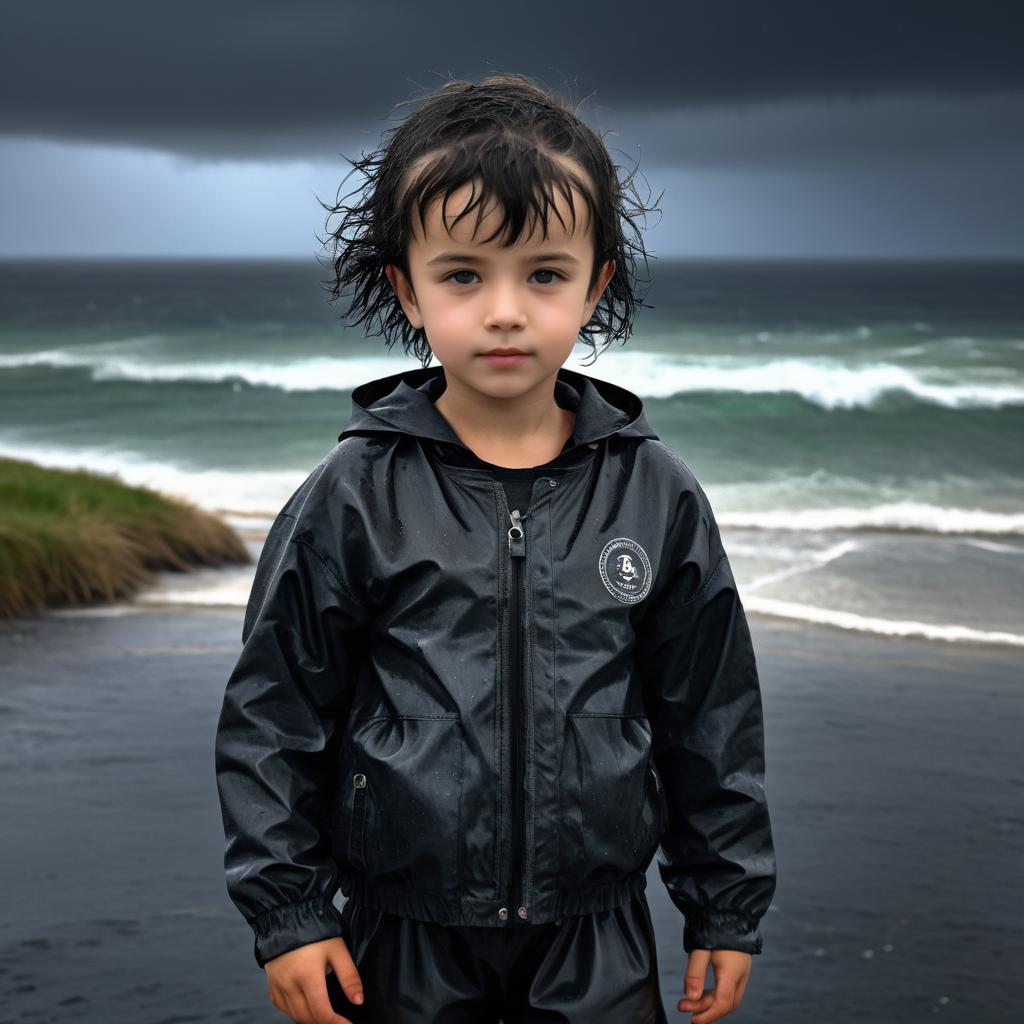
column 858, row 427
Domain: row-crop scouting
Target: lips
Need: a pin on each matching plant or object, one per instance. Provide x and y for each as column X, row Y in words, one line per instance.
column 505, row 352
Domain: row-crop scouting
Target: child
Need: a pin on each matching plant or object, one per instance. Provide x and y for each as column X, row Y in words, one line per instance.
column 494, row 654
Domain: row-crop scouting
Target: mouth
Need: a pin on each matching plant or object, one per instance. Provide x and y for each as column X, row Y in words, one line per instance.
column 505, row 352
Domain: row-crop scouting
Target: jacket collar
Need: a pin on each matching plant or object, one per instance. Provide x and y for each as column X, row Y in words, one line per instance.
column 404, row 403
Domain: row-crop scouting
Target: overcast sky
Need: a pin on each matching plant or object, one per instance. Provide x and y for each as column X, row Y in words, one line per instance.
column 808, row 128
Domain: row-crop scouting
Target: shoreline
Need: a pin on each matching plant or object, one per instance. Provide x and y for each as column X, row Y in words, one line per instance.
column 888, row 584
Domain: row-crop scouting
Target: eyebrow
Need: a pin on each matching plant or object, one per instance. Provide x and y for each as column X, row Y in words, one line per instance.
column 456, row 257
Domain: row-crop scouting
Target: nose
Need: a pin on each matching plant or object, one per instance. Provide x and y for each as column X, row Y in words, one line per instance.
column 504, row 308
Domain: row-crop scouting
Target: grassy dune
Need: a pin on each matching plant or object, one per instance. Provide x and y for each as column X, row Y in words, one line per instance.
column 73, row 537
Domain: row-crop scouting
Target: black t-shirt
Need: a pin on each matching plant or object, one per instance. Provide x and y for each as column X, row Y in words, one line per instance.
column 518, row 483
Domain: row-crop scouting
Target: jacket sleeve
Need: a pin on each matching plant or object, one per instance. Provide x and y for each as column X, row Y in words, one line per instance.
column 285, row 700
column 702, row 697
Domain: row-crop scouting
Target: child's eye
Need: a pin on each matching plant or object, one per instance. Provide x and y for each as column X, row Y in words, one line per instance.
column 455, row 274
column 555, row 272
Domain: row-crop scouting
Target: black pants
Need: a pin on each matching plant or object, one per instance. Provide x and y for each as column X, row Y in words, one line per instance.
column 595, row 968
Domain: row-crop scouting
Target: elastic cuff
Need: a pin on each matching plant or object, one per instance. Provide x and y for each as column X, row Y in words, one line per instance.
column 721, row 929
column 295, row 924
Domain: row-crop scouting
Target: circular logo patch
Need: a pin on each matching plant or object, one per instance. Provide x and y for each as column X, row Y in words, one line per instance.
column 625, row 570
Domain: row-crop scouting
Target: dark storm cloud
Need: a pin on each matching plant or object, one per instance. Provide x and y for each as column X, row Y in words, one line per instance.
column 266, row 78
column 819, row 132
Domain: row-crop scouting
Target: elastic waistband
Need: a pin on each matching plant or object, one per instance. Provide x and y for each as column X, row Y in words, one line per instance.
column 547, row 908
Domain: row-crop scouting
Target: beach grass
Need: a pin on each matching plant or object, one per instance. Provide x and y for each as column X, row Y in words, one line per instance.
column 73, row 537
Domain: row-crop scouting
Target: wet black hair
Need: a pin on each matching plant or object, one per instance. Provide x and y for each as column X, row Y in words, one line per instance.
column 501, row 133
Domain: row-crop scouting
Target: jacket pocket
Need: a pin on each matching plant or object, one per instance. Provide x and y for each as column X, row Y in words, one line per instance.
column 402, row 821
column 614, row 811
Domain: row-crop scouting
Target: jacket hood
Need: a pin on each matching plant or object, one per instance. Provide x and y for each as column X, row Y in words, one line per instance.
column 404, row 403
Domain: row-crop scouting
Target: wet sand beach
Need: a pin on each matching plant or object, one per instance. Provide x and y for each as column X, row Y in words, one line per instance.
column 894, row 779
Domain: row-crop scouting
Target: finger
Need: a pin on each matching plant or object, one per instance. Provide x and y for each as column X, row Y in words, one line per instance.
column 295, row 1005
column 696, row 1005
column 320, row 1010
column 348, row 977
column 721, row 1003
column 696, row 993
column 696, row 974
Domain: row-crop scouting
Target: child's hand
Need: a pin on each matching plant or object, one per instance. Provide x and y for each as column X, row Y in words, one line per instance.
column 298, row 985
column 732, row 969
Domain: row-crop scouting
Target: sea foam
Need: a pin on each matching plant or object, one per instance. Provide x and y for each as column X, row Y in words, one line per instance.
column 826, row 382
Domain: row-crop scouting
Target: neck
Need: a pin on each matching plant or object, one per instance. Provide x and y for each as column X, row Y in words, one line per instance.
column 519, row 431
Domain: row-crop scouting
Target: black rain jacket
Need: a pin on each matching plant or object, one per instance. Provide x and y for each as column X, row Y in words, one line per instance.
column 470, row 715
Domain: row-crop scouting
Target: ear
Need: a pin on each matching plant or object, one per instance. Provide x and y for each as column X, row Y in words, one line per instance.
column 607, row 272
column 404, row 292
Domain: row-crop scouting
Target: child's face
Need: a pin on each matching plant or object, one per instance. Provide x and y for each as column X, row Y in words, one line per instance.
column 494, row 297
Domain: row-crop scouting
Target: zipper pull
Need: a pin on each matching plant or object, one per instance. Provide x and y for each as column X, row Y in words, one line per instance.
column 516, row 536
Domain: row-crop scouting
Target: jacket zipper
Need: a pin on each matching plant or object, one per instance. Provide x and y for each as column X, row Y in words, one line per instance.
column 517, row 705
